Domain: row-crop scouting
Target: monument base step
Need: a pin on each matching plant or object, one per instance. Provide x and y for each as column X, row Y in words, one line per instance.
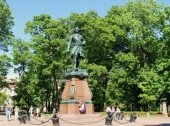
column 81, row 119
column 78, row 115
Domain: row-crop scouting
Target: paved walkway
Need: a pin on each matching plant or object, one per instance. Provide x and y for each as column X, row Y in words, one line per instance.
column 88, row 121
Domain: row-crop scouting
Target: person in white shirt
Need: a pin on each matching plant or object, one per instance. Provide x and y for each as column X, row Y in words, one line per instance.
column 110, row 111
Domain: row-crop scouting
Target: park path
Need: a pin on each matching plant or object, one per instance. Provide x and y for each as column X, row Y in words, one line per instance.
column 88, row 121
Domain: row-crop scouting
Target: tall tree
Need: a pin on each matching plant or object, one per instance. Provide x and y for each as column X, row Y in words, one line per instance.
column 48, row 47
column 138, row 25
column 20, row 60
column 6, row 23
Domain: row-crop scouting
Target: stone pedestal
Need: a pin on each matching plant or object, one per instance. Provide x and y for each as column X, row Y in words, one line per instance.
column 76, row 89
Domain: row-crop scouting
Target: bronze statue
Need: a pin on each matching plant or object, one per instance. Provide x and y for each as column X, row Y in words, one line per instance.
column 77, row 51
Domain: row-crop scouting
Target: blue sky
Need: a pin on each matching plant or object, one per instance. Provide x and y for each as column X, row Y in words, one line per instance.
column 25, row 10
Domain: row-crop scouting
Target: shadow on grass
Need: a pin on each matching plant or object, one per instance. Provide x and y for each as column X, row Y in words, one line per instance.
column 163, row 124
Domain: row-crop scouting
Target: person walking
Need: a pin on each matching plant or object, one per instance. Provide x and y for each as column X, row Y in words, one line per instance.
column 8, row 112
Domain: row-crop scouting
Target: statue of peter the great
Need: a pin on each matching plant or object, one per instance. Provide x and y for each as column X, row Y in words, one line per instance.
column 77, row 50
